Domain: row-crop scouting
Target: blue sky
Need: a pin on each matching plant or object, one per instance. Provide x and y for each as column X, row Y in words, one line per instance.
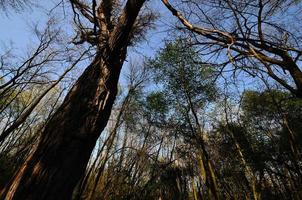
column 16, row 27
column 17, row 30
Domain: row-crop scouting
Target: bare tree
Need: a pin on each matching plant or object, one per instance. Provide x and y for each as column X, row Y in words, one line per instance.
column 23, row 116
column 36, row 73
column 256, row 36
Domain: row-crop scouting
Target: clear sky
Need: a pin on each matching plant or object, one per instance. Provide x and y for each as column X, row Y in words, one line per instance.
column 16, row 25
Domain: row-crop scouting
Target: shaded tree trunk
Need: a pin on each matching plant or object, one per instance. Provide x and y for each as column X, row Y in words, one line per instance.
column 60, row 158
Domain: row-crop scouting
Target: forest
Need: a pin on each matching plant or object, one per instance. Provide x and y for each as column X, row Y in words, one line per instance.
column 151, row 100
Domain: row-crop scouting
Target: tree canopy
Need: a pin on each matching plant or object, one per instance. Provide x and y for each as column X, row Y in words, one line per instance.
column 167, row 100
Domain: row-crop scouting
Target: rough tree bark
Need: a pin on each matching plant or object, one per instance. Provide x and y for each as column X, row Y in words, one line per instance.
column 61, row 156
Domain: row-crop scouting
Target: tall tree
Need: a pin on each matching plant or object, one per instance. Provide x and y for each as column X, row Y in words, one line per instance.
column 188, row 87
column 60, row 158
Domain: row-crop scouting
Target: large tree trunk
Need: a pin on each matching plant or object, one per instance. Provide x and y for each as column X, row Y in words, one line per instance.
column 61, row 156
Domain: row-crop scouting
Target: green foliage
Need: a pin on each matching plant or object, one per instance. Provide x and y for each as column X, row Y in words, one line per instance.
column 179, row 70
column 264, row 110
column 184, row 84
column 264, row 104
column 157, row 103
column 156, row 108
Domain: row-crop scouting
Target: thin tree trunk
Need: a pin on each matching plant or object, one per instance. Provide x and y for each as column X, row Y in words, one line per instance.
column 250, row 176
